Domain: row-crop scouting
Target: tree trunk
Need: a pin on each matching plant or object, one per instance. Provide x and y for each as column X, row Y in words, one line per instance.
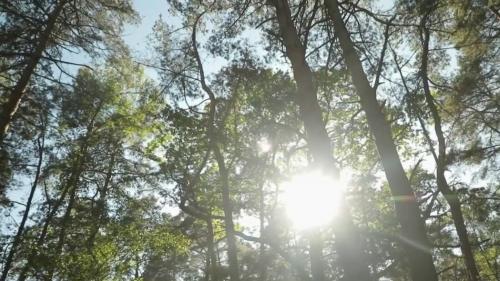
column 70, row 186
column 62, row 232
column 348, row 241
column 48, row 221
column 20, row 230
column 43, row 234
column 228, row 216
column 99, row 211
column 10, row 107
column 223, row 173
column 418, row 248
column 263, row 256
column 74, row 182
column 316, row 256
column 212, row 259
column 450, row 196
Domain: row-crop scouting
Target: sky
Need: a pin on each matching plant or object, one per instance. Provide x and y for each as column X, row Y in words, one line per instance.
column 136, row 36
column 150, row 10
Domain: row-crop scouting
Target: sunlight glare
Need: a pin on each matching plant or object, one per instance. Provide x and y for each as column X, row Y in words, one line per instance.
column 264, row 145
column 311, row 199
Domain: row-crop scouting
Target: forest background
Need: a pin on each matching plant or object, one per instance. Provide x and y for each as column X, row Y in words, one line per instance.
column 249, row 140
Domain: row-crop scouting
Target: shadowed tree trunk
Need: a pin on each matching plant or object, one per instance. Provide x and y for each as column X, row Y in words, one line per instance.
column 316, row 256
column 227, row 205
column 212, row 259
column 99, row 211
column 349, row 244
column 450, row 196
column 43, row 234
column 10, row 107
column 263, row 256
column 418, row 248
column 62, row 232
column 20, row 230
column 228, row 216
column 69, row 187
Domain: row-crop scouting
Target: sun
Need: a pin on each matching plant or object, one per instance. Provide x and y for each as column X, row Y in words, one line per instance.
column 311, row 199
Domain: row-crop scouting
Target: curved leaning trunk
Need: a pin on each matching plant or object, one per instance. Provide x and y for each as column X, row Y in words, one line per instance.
column 416, row 243
column 450, row 196
column 20, row 231
column 348, row 241
column 70, row 187
column 227, row 205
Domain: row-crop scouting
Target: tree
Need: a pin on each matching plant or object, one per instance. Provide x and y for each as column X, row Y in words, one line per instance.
column 413, row 227
column 52, row 28
column 348, row 243
column 113, row 175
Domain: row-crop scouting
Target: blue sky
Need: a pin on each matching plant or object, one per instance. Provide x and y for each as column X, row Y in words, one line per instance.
column 136, row 36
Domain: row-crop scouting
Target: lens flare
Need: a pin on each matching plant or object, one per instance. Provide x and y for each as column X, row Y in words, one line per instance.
column 311, row 199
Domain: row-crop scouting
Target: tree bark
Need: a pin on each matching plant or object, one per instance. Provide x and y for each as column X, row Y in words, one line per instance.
column 48, row 220
column 450, row 196
column 69, row 187
column 212, row 135
column 228, row 216
column 43, row 234
column 316, row 256
column 99, row 212
column 263, row 256
column 20, row 230
column 212, row 258
column 348, row 241
column 10, row 107
column 62, row 232
column 418, row 248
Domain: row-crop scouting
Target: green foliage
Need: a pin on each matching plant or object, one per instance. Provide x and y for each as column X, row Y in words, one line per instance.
column 130, row 182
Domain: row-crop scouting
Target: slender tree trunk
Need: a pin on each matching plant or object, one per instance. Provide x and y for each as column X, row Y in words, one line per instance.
column 45, row 228
column 10, row 107
column 62, row 231
column 99, row 211
column 418, row 248
column 223, row 173
column 349, row 244
column 43, row 234
column 316, row 256
column 263, row 257
column 228, row 216
column 73, row 185
column 212, row 258
column 450, row 196
column 19, row 235
column 69, row 187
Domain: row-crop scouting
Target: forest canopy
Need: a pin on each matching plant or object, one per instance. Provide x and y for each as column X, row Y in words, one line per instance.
column 274, row 140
